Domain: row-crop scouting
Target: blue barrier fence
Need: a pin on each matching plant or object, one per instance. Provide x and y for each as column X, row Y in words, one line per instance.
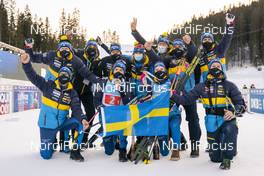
column 257, row 100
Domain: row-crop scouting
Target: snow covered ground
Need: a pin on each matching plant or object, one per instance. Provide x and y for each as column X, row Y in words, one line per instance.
column 19, row 134
column 247, row 76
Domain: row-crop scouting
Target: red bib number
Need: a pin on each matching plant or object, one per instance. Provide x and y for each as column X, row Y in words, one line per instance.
column 112, row 100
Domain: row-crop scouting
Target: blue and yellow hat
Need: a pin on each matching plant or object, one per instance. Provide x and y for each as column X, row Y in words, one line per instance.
column 207, row 35
column 115, row 46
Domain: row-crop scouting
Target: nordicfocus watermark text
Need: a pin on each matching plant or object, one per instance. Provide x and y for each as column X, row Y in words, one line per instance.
column 197, row 29
column 171, row 145
column 35, row 29
column 129, row 87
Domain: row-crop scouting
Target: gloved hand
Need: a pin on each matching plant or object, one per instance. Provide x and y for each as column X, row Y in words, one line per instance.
column 240, row 109
column 98, row 40
column 29, row 43
column 230, row 18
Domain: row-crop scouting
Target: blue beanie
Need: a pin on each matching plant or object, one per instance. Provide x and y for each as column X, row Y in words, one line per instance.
column 115, row 46
column 207, row 35
column 121, row 64
column 65, row 44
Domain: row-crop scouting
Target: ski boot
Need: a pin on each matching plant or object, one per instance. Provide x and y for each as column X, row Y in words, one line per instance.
column 122, row 155
column 132, row 151
column 226, row 164
column 194, row 149
column 75, row 154
column 175, row 155
column 156, row 152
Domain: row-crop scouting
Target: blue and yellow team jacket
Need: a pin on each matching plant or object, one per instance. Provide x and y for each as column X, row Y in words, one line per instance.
column 55, row 63
column 216, row 97
column 218, row 52
column 55, row 102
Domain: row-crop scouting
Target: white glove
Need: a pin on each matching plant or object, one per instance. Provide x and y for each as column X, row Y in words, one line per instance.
column 29, row 43
column 230, row 18
column 86, row 82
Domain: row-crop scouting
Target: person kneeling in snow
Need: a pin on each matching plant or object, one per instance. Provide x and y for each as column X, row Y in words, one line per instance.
column 222, row 102
column 58, row 97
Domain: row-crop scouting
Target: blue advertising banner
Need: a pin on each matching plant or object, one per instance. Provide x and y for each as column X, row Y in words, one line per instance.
column 8, row 63
column 25, row 98
column 257, row 100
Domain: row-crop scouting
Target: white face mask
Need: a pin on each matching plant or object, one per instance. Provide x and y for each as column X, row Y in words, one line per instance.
column 162, row 49
column 138, row 57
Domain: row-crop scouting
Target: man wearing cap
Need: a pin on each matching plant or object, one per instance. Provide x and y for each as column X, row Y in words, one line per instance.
column 63, row 56
column 107, row 62
column 90, row 57
column 212, row 50
column 222, row 101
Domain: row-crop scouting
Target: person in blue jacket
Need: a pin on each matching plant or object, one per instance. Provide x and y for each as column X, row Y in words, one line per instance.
column 63, row 56
column 114, row 91
column 57, row 99
column 140, row 62
column 177, row 64
column 222, row 101
column 166, row 53
column 162, row 83
column 56, row 59
column 212, row 50
column 107, row 62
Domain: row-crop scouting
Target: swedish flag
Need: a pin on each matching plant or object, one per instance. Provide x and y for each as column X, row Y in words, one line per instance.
column 150, row 118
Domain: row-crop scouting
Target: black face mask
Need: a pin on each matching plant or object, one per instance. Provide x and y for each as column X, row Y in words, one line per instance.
column 118, row 75
column 65, row 54
column 116, row 56
column 207, row 46
column 63, row 81
column 91, row 52
column 215, row 72
column 177, row 53
column 161, row 75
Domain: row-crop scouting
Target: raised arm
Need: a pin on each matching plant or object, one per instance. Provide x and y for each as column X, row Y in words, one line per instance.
column 104, row 46
column 135, row 33
column 191, row 47
column 44, row 58
column 31, row 74
column 227, row 37
column 151, row 53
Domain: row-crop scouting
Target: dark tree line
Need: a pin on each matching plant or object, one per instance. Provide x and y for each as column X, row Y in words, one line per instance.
column 16, row 25
column 247, row 45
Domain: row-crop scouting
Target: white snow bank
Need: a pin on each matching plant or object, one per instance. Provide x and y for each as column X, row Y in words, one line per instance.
column 18, row 131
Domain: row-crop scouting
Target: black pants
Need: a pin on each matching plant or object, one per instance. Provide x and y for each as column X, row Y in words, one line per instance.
column 193, row 122
column 223, row 142
column 87, row 101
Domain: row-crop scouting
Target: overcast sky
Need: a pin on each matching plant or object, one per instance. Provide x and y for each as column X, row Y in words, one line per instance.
column 154, row 16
